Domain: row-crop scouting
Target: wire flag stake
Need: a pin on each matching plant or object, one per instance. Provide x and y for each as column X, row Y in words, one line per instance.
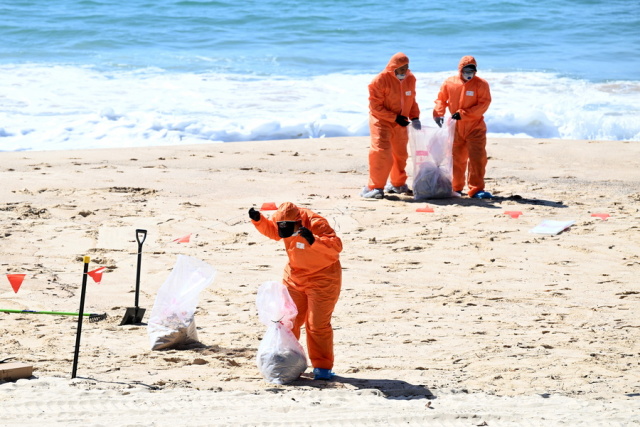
column 86, row 260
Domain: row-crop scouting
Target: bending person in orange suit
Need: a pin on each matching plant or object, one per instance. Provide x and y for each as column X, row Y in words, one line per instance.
column 313, row 275
column 392, row 101
column 467, row 97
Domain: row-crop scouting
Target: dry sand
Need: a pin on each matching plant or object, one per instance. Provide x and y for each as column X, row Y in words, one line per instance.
column 456, row 317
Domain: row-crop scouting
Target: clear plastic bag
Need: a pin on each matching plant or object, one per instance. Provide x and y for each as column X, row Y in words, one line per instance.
column 172, row 322
column 281, row 359
column 431, row 153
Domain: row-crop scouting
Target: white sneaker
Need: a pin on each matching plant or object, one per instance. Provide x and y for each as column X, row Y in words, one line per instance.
column 403, row 189
column 376, row 193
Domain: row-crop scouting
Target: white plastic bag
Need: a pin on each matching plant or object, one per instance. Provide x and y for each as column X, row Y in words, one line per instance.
column 281, row 359
column 431, row 153
column 172, row 318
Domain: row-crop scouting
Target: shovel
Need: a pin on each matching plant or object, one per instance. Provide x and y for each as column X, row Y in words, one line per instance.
column 134, row 315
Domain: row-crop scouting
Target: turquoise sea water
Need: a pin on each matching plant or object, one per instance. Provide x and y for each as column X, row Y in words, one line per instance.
column 260, row 66
column 596, row 40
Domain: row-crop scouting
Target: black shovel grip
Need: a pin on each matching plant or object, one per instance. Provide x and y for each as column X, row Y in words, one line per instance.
column 144, row 236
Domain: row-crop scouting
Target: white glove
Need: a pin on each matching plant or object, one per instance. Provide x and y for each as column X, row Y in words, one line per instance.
column 416, row 124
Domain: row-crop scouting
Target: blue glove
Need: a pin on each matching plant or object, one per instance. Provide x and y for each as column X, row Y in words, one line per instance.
column 416, row 123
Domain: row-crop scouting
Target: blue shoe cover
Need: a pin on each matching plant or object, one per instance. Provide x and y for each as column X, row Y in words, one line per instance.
column 322, row 374
column 483, row 195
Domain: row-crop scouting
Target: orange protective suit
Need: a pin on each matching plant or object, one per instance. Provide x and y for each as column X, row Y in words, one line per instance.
column 471, row 99
column 389, row 97
column 313, row 277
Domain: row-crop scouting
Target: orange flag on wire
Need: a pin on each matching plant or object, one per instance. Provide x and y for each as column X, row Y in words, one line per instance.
column 513, row 214
column 183, row 239
column 16, row 281
column 425, row 209
column 96, row 274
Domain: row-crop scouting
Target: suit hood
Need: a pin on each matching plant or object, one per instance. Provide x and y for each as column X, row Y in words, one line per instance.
column 466, row 60
column 397, row 61
column 287, row 212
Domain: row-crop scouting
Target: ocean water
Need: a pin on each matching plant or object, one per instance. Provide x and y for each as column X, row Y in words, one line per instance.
column 98, row 74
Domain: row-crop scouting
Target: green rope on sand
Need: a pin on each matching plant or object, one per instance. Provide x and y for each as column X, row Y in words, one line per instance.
column 92, row 317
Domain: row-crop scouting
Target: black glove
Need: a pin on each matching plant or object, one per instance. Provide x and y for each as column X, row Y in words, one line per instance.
column 439, row 121
column 456, row 116
column 402, row 120
column 307, row 234
column 254, row 214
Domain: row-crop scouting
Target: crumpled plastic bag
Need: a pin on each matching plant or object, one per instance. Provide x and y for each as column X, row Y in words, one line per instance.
column 172, row 322
column 281, row 359
column 431, row 153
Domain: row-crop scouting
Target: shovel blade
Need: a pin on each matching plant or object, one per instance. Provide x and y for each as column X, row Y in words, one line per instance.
column 132, row 316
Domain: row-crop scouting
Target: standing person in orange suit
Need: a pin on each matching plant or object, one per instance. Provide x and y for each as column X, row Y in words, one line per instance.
column 392, row 101
column 313, row 275
column 468, row 98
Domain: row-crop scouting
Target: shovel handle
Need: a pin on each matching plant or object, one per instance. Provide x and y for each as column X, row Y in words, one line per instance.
column 139, row 232
column 144, row 236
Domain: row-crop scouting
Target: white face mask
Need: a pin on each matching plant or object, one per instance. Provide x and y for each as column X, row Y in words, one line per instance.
column 401, row 76
column 468, row 75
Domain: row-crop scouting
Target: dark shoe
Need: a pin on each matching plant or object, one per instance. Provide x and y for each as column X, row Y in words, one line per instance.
column 403, row 189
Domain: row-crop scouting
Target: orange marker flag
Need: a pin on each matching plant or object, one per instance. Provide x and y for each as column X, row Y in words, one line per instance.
column 602, row 216
column 183, row 239
column 269, row 207
column 96, row 274
column 513, row 214
column 425, row 209
column 16, row 281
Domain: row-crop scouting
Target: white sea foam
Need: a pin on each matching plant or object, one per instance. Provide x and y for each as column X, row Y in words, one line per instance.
column 65, row 107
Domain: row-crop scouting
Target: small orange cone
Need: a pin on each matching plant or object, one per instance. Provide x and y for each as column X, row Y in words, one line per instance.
column 270, row 206
column 16, row 281
column 602, row 216
column 513, row 214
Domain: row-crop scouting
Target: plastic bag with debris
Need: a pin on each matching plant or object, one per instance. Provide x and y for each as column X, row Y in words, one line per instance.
column 172, row 322
column 431, row 153
column 281, row 359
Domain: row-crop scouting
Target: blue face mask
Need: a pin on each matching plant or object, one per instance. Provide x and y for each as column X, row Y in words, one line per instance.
column 401, row 76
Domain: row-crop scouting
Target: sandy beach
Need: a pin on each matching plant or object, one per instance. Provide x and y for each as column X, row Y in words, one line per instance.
column 460, row 316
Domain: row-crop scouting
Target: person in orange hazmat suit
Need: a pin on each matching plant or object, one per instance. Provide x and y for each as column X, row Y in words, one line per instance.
column 313, row 275
column 392, row 101
column 468, row 97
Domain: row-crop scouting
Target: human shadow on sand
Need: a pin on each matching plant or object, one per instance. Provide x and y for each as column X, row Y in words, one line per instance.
column 493, row 203
column 390, row 389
